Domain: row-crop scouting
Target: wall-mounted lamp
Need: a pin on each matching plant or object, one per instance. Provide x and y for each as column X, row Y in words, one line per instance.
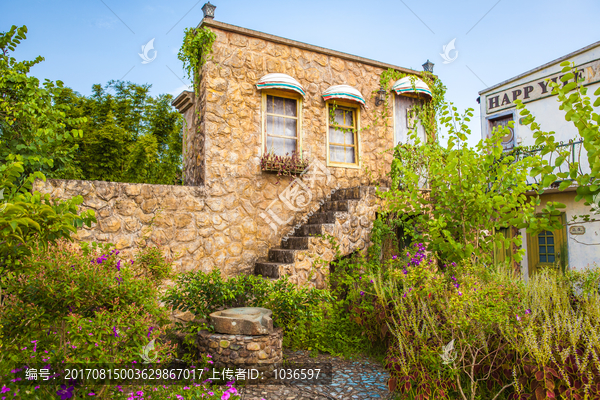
column 380, row 99
column 428, row 66
column 209, row 10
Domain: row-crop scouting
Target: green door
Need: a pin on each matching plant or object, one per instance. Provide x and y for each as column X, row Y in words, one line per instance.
column 547, row 249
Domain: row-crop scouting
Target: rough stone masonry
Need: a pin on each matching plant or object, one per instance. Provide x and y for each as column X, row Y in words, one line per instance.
column 217, row 219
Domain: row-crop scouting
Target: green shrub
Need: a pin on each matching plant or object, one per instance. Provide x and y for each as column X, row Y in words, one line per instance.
column 74, row 305
column 204, row 293
column 31, row 220
column 471, row 331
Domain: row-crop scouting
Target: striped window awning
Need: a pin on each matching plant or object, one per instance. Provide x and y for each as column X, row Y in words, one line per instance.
column 405, row 85
column 344, row 92
column 280, row 81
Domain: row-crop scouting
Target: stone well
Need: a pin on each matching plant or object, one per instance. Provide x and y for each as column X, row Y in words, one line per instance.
column 244, row 337
column 259, row 352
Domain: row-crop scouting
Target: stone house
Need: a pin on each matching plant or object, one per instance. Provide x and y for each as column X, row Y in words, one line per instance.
column 261, row 94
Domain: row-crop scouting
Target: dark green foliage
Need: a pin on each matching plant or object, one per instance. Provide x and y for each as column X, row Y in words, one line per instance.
column 129, row 135
column 203, row 293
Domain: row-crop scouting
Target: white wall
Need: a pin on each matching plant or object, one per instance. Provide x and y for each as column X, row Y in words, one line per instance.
column 545, row 109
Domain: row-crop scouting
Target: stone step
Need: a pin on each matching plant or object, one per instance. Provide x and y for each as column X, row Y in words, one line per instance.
column 354, row 193
column 335, row 205
column 311, row 230
column 296, row 243
column 283, row 256
column 267, row 269
column 322, row 218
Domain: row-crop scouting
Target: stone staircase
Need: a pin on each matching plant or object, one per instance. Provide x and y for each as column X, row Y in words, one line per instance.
column 347, row 216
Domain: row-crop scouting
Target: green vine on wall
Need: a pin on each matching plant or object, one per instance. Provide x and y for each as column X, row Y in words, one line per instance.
column 195, row 51
column 427, row 110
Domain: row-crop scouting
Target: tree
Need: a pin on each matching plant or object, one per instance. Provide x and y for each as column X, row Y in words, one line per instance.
column 580, row 111
column 129, row 136
column 34, row 140
column 32, row 124
column 458, row 199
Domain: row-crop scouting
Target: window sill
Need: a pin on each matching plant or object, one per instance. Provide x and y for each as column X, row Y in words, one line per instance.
column 342, row 165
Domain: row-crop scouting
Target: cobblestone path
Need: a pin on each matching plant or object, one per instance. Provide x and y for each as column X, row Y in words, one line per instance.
column 352, row 379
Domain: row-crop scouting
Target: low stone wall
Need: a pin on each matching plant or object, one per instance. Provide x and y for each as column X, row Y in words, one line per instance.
column 136, row 215
column 259, row 352
column 200, row 229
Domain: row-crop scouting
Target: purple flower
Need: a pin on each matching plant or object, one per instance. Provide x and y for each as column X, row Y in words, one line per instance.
column 404, row 271
column 456, row 285
column 362, row 293
column 64, row 392
column 4, row 389
column 528, row 311
column 115, row 331
column 359, row 278
column 404, row 294
column 394, row 257
column 119, row 265
column 518, row 318
column 459, row 293
column 371, row 280
column 150, row 329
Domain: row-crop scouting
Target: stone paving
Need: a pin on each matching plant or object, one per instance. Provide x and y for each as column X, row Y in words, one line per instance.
column 352, row 379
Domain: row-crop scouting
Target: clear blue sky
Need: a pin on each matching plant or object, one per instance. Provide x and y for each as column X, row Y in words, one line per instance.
column 94, row 41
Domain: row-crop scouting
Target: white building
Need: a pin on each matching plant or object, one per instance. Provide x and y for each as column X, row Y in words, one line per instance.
column 577, row 245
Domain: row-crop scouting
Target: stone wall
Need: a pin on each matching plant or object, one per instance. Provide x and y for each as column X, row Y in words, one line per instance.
column 178, row 218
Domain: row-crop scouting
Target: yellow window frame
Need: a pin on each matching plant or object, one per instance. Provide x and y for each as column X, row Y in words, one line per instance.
column 286, row 95
column 356, row 128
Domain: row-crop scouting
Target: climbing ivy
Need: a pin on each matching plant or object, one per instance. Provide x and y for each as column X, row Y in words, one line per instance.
column 195, row 51
column 427, row 110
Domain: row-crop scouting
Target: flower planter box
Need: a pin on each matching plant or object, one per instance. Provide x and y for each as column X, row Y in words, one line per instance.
column 277, row 167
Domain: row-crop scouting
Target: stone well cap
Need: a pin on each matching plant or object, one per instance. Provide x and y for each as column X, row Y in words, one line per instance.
column 280, row 81
column 344, row 92
column 243, row 321
column 405, row 85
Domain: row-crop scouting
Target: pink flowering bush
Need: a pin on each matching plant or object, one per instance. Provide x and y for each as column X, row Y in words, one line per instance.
column 192, row 391
column 85, row 304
